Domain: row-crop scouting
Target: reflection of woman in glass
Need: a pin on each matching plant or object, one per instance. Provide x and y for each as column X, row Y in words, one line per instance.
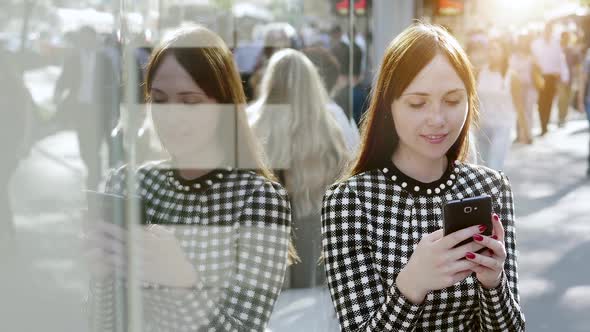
column 389, row 265
column 219, row 261
column 304, row 143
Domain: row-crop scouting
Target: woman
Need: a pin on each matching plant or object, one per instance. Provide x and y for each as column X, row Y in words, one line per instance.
column 501, row 99
column 305, row 145
column 388, row 264
column 529, row 75
column 219, row 263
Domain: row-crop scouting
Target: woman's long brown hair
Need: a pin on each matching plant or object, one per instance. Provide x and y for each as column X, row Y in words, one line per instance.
column 209, row 62
column 404, row 58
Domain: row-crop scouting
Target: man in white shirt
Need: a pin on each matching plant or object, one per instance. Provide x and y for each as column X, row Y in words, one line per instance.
column 551, row 59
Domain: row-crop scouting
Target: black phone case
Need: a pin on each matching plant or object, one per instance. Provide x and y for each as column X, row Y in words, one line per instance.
column 467, row 212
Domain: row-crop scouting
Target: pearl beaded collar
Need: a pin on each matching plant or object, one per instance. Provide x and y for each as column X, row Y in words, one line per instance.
column 198, row 184
column 447, row 180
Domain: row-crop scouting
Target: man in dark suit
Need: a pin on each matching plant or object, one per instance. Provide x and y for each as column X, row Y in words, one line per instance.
column 15, row 102
column 88, row 91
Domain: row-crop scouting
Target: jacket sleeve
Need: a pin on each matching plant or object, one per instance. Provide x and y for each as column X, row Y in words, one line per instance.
column 363, row 300
column 500, row 307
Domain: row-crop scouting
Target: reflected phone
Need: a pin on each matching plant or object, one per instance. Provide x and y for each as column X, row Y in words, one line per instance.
column 467, row 212
column 111, row 207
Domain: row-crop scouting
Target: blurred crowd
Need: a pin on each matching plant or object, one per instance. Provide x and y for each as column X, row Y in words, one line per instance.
column 521, row 73
column 307, row 92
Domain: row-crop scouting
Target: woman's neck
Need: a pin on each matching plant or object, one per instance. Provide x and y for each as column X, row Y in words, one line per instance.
column 191, row 168
column 420, row 169
column 191, row 174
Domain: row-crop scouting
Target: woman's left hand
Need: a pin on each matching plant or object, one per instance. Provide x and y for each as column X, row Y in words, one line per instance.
column 490, row 262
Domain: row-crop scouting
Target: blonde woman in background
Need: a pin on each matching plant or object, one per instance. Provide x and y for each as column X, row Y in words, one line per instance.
column 304, row 145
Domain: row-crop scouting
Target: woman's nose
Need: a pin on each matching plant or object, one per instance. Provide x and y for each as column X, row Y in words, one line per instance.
column 436, row 118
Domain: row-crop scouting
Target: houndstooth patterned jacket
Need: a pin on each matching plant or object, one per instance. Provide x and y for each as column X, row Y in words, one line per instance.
column 233, row 226
column 372, row 222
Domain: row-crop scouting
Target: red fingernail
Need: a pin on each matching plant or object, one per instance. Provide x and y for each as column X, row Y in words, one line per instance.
column 482, row 228
column 496, row 218
column 470, row 255
column 478, row 237
column 495, row 237
column 491, row 251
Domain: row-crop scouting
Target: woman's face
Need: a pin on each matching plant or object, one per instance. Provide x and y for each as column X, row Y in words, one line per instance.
column 185, row 118
column 431, row 112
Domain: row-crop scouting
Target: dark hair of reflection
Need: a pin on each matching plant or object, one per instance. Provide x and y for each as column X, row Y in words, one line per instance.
column 404, row 58
column 208, row 60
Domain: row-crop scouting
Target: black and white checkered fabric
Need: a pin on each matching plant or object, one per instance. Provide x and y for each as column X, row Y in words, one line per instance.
column 234, row 230
column 371, row 224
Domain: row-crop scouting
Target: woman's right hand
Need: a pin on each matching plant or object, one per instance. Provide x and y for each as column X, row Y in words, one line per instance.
column 105, row 248
column 436, row 264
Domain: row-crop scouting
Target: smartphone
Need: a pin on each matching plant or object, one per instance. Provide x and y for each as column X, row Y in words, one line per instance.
column 467, row 212
column 111, row 207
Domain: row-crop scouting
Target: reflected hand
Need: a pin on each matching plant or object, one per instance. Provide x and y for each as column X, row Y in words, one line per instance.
column 104, row 248
column 161, row 259
column 165, row 262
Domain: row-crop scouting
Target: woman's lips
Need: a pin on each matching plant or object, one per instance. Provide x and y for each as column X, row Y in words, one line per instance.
column 435, row 139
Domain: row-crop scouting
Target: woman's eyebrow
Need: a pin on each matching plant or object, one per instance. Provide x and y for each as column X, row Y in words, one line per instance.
column 425, row 94
column 181, row 93
column 454, row 90
column 184, row 93
column 417, row 93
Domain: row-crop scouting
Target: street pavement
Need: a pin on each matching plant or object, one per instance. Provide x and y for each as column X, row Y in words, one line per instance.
column 44, row 279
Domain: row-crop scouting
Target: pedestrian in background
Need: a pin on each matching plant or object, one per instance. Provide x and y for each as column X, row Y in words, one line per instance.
column 329, row 69
column 500, row 101
column 584, row 95
column 549, row 55
column 525, row 68
column 573, row 59
column 354, row 89
column 305, row 147
column 87, row 90
column 16, row 104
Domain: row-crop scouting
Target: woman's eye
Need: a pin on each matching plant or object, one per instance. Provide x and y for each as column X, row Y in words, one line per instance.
column 417, row 105
column 453, row 102
column 193, row 100
column 158, row 101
